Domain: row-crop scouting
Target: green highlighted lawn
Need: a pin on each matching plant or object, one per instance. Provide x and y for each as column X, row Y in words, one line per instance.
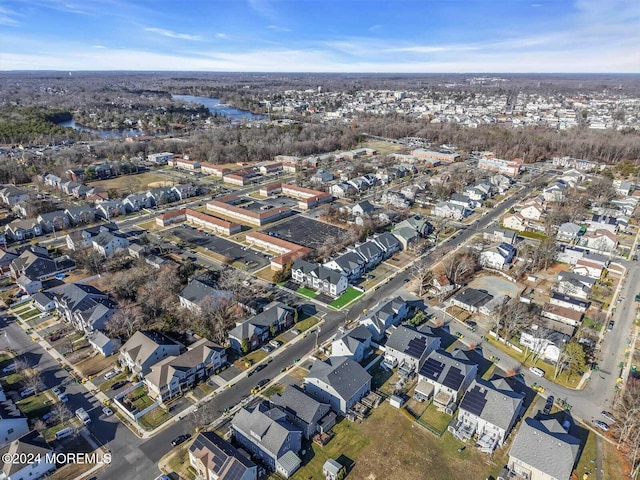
column 306, row 292
column 347, row 297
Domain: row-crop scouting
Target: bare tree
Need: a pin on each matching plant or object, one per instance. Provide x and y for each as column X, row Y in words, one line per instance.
column 32, row 378
column 512, row 317
column 61, row 412
column 128, row 318
column 626, row 429
column 422, row 274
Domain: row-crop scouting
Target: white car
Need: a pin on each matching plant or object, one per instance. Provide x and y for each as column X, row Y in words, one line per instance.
column 107, row 411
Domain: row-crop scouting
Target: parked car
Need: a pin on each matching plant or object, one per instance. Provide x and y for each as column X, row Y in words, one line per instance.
column 180, row 439
column 118, row 385
column 110, row 374
column 10, row 368
column 260, row 385
column 611, row 324
column 27, row 392
column 275, row 343
column 549, row 405
column 56, row 391
column 260, row 367
column 537, row 371
column 295, row 331
column 601, row 425
column 608, row 415
column 63, row 398
column 267, row 348
column 107, row 411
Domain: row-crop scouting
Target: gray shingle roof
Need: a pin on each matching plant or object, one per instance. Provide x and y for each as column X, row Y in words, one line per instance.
column 369, row 250
column 401, row 338
column 502, row 403
column 29, row 446
column 218, row 455
column 344, row 375
column 545, row 446
column 197, row 291
column 473, row 297
column 297, row 402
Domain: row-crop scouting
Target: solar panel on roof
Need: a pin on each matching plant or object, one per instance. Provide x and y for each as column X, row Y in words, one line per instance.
column 235, row 471
column 431, row 368
column 474, row 401
column 415, row 347
column 453, row 379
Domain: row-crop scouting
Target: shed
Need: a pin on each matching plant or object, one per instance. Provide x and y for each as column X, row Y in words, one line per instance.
column 331, row 469
column 396, row 401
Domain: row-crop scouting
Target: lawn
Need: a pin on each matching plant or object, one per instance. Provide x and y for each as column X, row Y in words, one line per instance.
column 307, row 292
column 435, row 419
column 106, row 386
column 29, row 315
column 140, row 398
column 35, row 406
column 587, row 461
column 154, row 418
column 388, row 445
column 255, row 356
column 125, row 184
column 12, row 381
column 273, row 389
column 307, row 323
column 347, row 297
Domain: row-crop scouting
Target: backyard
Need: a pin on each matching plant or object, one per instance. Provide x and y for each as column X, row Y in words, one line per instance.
column 154, row 418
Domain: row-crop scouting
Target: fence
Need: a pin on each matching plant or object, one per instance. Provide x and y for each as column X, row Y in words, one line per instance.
column 125, row 409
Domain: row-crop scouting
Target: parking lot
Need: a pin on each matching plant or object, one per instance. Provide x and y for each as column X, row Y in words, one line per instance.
column 306, row 232
column 220, row 245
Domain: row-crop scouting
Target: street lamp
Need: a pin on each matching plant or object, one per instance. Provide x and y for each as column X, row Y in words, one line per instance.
column 346, row 315
column 317, row 333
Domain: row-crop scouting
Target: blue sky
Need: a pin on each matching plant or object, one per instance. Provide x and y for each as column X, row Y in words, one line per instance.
column 322, row 35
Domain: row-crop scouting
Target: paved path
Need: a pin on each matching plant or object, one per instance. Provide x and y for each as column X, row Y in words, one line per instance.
column 599, row 469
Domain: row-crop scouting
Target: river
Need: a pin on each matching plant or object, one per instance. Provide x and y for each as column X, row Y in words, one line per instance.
column 127, row 132
column 217, row 108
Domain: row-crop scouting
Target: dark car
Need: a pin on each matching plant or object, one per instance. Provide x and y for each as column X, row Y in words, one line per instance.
column 260, row 367
column 611, row 324
column 180, row 439
column 601, row 425
column 547, row 407
column 118, row 384
column 259, row 385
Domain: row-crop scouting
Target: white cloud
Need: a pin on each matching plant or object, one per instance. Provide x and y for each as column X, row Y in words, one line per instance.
column 98, row 46
column 172, row 34
column 221, row 35
column 277, row 28
column 8, row 17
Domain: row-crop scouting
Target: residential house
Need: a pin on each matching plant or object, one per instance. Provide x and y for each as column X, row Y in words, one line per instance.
column 411, row 229
column 570, row 254
column 362, row 208
column 388, row 243
column 160, row 158
column 145, row 349
column 501, row 183
column 568, row 232
column 197, row 291
column 250, row 334
column 339, row 381
column 395, row 199
column 604, row 222
column 52, row 180
column 108, row 243
column 342, row 190
column 84, row 306
column 35, row 263
column 462, row 200
column 319, row 278
column 305, row 412
column 488, row 411
column 137, row 201
column 475, row 194
column 575, row 285
column 213, row 458
column 383, row 315
column 31, row 458
column 497, row 256
column 11, row 195
column 161, row 196
column 176, row 374
column 19, row 230
column 266, row 433
column 602, row 241
column 29, row 285
column 354, row 343
column 543, row 450
column 101, row 343
column 515, row 221
column 532, row 211
column 562, row 314
column 321, row 177
column 84, row 238
column 441, row 284
column 588, row 267
column 500, row 235
column 6, row 257
column 43, row 301
column 371, row 252
column 110, row 209
column 449, row 374
column 183, row 191
column 53, row 221
column 625, row 188
column 450, row 210
column 13, row 424
column 471, row 299
column 408, row 348
column 544, row 342
column 567, row 301
column 350, row 264
column 556, row 192
column 80, row 215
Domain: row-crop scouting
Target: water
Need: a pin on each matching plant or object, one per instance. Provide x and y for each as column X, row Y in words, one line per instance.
column 127, row 132
column 216, row 108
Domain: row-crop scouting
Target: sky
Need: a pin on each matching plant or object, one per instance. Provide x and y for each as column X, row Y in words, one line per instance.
column 369, row 36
